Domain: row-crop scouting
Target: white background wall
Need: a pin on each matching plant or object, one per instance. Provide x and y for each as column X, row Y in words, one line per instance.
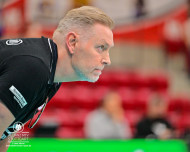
column 117, row 9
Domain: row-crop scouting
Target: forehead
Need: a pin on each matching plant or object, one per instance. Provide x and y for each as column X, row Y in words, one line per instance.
column 103, row 34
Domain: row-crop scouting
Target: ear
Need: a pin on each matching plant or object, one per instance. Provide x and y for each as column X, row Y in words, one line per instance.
column 71, row 40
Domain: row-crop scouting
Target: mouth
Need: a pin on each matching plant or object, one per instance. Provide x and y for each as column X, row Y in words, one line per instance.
column 98, row 71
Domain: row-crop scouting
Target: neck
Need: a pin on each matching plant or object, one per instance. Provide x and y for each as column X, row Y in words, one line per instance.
column 64, row 70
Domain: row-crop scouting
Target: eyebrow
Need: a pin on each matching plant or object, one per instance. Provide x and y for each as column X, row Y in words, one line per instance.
column 105, row 43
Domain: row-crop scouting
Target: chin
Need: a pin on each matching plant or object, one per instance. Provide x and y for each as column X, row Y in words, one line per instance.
column 93, row 79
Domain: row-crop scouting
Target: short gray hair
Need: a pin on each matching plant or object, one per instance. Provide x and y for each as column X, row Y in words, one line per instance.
column 84, row 16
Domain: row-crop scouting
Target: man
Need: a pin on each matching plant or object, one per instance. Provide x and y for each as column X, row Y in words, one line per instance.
column 155, row 124
column 108, row 121
column 31, row 69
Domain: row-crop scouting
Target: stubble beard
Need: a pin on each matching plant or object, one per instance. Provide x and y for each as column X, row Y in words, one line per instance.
column 83, row 77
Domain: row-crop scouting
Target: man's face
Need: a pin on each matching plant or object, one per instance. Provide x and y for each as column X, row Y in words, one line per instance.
column 112, row 103
column 92, row 54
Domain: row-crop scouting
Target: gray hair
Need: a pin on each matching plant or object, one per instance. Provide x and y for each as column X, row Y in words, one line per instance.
column 85, row 16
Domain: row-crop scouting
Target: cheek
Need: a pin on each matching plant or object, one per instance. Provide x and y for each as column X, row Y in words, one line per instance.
column 89, row 58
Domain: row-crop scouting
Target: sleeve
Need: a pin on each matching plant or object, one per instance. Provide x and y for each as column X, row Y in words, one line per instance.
column 168, row 124
column 21, row 80
column 123, row 130
column 95, row 128
column 141, row 129
column 99, row 126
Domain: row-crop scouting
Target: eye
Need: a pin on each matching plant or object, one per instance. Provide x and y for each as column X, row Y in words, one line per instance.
column 101, row 48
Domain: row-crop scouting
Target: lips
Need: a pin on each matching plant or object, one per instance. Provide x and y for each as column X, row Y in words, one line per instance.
column 101, row 68
column 98, row 71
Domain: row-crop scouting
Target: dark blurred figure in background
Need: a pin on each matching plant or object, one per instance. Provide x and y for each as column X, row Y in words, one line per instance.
column 108, row 121
column 154, row 124
column 140, row 8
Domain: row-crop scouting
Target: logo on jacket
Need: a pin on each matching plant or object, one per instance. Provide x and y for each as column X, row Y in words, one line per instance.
column 18, row 96
column 14, row 42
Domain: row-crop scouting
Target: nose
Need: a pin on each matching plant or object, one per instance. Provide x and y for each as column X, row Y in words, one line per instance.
column 106, row 59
